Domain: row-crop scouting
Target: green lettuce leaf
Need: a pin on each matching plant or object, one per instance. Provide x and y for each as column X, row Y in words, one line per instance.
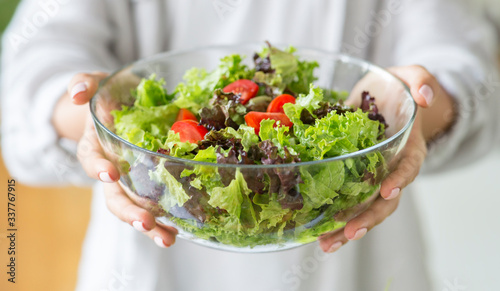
column 272, row 214
column 248, row 217
column 356, row 188
column 196, row 90
column 308, row 235
column 336, row 135
column 205, row 176
column 156, row 120
column 284, row 63
column 143, row 139
column 231, row 69
column 278, row 135
column 334, row 97
column 207, row 155
column 311, row 100
column 178, row 149
column 198, row 86
column 322, row 187
column 230, row 198
column 248, row 136
column 289, row 71
column 174, row 193
column 151, row 92
column 304, row 77
column 273, row 81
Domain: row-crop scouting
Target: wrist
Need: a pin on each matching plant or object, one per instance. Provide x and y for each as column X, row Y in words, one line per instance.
column 438, row 119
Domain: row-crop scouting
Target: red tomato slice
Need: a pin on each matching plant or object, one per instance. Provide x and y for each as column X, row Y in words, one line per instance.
column 254, row 118
column 246, row 88
column 189, row 131
column 277, row 104
column 185, row 114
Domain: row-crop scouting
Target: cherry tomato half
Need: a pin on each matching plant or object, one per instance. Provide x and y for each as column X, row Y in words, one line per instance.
column 189, row 131
column 253, row 119
column 246, row 88
column 185, row 114
column 277, row 104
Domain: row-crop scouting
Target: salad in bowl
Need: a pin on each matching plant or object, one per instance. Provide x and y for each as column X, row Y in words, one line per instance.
column 253, row 154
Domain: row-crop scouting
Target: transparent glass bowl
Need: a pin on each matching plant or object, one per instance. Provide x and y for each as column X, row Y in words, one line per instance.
column 209, row 227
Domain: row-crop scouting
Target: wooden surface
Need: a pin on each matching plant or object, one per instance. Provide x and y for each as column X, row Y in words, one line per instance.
column 51, row 225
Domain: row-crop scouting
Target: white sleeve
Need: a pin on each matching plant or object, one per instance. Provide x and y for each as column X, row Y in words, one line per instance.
column 492, row 10
column 460, row 50
column 43, row 48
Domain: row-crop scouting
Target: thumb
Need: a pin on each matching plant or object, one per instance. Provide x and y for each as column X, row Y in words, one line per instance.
column 423, row 85
column 83, row 86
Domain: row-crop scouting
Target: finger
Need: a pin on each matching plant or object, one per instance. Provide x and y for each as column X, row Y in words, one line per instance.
column 122, row 207
column 162, row 235
column 408, row 166
column 423, row 85
column 374, row 215
column 92, row 158
column 330, row 243
column 359, row 226
column 83, row 86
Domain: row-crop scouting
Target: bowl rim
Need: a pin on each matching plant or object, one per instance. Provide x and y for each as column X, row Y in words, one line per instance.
column 337, row 55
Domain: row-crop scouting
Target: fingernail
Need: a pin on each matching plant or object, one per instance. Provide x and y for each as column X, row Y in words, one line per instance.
column 78, row 88
column 104, row 176
column 139, row 226
column 159, row 242
column 359, row 234
column 169, row 226
column 427, row 92
column 394, row 194
column 335, row 247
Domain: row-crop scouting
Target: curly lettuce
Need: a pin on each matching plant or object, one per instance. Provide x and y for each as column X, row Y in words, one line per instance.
column 245, row 207
column 199, row 85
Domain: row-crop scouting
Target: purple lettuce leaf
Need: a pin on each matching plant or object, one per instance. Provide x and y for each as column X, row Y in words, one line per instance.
column 368, row 105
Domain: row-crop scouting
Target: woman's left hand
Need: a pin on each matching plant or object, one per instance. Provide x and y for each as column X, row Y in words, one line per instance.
column 433, row 117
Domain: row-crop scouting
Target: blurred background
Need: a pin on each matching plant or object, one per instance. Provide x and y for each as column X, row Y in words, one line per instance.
column 458, row 210
column 48, row 246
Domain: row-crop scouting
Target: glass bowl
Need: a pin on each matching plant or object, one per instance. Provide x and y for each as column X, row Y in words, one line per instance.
column 340, row 187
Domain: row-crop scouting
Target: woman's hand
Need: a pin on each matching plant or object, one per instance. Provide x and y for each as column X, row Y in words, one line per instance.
column 435, row 116
column 94, row 162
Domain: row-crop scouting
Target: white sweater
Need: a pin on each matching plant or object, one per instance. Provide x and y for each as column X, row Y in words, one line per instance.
column 47, row 44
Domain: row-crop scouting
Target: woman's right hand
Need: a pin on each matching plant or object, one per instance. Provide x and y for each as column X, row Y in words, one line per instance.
column 91, row 156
